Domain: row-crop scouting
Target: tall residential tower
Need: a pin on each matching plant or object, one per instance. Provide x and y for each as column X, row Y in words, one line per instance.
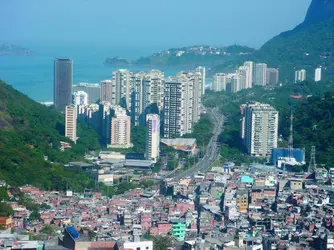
column 71, row 122
column 260, row 128
column 63, row 77
column 152, row 137
column 260, row 74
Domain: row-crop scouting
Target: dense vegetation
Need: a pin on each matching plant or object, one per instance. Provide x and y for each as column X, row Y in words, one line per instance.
column 313, row 117
column 202, row 131
column 28, row 132
column 303, row 47
column 307, row 46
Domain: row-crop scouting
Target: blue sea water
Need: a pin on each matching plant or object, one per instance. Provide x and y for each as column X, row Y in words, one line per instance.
column 33, row 75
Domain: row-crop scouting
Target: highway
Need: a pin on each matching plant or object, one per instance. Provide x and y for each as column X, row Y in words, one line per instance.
column 212, row 150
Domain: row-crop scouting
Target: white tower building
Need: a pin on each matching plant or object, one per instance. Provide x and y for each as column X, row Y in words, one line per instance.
column 317, row 75
column 249, row 65
column 260, row 129
column 219, row 82
column 260, row 74
column 152, row 137
column 71, row 122
column 80, row 98
column 202, row 70
column 300, row 75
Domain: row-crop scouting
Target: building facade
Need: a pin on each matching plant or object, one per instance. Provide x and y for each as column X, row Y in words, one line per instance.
column 272, row 76
column 202, row 71
column 317, row 75
column 260, row 74
column 243, row 73
column 235, row 83
column 260, row 128
column 106, row 91
column 92, row 89
column 80, row 98
column 63, row 78
column 300, row 75
column 250, row 66
column 120, row 129
column 71, row 122
column 173, row 109
column 152, row 137
column 219, row 82
column 121, row 88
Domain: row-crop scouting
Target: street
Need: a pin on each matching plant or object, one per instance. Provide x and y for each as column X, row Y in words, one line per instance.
column 212, row 150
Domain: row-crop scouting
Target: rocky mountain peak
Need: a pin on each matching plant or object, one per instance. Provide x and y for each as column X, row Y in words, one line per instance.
column 319, row 10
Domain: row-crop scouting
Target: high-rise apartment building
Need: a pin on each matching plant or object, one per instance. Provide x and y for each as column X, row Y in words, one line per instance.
column 137, row 98
column 260, row 74
column 154, row 89
column 71, row 122
column 219, row 82
column 92, row 89
column 317, row 75
column 106, row 91
column 192, row 95
column 182, row 103
column 187, row 103
column 147, row 95
column 243, row 73
column 120, row 129
column 202, row 70
column 121, row 88
column 272, row 76
column 80, row 98
column 260, row 128
column 105, row 113
column 235, row 83
column 152, row 137
column 300, row 75
column 63, row 77
column 250, row 66
column 173, row 109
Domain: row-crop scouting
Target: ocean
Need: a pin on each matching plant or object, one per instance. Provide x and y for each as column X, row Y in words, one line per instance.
column 33, row 75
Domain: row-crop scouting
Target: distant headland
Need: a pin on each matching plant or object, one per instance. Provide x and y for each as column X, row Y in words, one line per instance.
column 187, row 56
column 11, row 49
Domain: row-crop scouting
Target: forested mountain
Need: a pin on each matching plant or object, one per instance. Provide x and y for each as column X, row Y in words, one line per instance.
column 307, row 46
column 190, row 56
column 28, row 132
column 312, row 105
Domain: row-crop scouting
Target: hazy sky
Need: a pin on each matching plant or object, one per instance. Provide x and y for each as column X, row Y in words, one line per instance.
column 148, row 22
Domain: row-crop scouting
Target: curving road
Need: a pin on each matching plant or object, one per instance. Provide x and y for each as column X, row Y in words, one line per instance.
column 212, row 150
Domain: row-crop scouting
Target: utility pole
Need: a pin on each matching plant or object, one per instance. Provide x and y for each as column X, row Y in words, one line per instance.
column 312, row 168
column 291, row 138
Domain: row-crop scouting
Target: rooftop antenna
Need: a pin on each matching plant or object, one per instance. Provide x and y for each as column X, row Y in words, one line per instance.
column 291, row 138
column 312, row 168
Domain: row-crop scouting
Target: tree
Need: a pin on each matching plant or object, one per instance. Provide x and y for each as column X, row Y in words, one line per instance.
column 3, row 194
column 5, row 209
column 48, row 229
column 34, row 215
column 162, row 242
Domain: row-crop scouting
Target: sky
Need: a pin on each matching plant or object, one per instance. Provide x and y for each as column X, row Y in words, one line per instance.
column 169, row 23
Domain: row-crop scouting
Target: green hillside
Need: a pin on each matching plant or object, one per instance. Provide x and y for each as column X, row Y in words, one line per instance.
column 313, row 117
column 303, row 47
column 307, row 46
column 28, row 132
